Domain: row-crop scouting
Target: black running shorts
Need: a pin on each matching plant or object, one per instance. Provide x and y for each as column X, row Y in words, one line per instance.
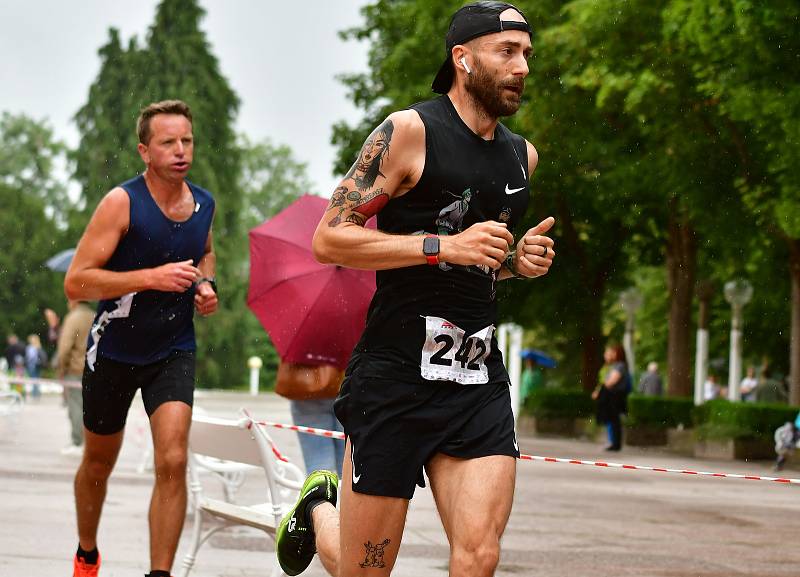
column 109, row 390
column 396, row 428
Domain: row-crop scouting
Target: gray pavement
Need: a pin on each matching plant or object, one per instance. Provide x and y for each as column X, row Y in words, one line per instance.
column 567, row 520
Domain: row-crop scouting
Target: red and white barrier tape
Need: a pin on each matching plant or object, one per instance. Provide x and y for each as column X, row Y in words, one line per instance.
column 272, row 444
column 339, row 435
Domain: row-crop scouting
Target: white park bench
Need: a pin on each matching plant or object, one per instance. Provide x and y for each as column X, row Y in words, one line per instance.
column 221, row 446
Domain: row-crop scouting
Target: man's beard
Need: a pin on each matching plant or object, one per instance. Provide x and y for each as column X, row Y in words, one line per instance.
column 490, row 94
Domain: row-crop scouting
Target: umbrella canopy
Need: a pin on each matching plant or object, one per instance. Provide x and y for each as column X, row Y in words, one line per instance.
column 61, row 261
column 314, row 313
column 541, row 358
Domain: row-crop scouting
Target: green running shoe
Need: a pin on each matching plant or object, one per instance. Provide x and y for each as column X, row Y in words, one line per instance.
column 294, row 542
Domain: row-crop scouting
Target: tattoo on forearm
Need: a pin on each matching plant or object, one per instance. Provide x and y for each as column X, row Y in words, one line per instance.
column 355, row 207
column 338, row 198
column 374, row 555
column 375, row 151
column 356, row 218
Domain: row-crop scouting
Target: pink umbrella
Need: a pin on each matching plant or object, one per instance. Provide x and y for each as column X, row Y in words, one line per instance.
column 314, row 313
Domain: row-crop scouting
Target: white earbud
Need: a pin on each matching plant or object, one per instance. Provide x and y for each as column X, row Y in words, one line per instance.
column 464, row 62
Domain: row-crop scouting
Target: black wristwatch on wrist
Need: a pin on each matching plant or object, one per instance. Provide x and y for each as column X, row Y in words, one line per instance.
column 210, row 281
column 509, row 262
column 430, row 248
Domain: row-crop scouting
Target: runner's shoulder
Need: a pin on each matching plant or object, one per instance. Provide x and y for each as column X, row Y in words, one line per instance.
column 116, row 198
column 533, row 157
column 114, row 207
column 407, row 125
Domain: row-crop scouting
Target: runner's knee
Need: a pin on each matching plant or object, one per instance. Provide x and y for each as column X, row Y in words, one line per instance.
column 475, row 558
column 97, row 468
column 170, row 464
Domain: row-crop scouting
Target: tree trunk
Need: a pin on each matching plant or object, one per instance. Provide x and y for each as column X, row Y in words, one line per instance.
column 794, row 339
column 592, row 341
column 593, row 276
column 681, row 263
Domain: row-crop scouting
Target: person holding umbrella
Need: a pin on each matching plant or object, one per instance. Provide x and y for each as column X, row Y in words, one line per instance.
column 426, row 389
column 147, row 256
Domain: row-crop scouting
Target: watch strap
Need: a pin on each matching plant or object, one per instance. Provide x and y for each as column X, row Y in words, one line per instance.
column 433, row 259
column 210, row 281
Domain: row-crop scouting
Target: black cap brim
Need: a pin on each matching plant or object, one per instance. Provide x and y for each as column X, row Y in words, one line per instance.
column 444, row 78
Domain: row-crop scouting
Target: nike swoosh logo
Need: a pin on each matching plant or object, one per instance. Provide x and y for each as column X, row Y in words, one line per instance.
column 515, row 444
column 356, row 478
column 513, row 190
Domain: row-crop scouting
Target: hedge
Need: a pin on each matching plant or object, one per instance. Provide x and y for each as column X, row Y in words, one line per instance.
column 659, row 412
column 552, row 403
column 721, row 419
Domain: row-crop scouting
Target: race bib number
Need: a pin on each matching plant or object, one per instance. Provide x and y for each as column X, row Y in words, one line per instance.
column 449, row 354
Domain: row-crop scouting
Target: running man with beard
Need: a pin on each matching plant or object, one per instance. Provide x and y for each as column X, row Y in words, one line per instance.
column 426, row 388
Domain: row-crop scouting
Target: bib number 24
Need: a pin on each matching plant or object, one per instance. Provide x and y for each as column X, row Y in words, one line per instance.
column 449, row 354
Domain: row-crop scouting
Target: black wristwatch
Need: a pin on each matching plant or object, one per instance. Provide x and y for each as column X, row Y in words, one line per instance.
column 430, row 248
column 509, row 262
column 210, row 281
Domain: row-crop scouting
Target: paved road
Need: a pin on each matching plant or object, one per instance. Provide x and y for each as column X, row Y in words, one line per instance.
column 567, row 520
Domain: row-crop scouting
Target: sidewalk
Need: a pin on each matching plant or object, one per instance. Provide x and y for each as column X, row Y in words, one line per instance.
column 567, row 520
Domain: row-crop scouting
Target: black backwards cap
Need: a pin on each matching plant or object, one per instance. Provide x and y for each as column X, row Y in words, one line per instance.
column 469, row 22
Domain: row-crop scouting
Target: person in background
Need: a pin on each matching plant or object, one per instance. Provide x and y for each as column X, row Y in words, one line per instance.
column 787, row 438
column 70, row 354
column 650, row 383
column 15, row 361
column 532, row 379
column 15, row 352
column 711, row 389
column 53, row 325
column 748, row 386
column 35, row 361
column 612, row 395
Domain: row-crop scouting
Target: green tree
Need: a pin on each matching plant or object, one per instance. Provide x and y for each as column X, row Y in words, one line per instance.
column 34, row 203
column 106, row 154
column 29, row 159
column 683, row 156
column 270, row 179
column 744, row 59
column 187, row 69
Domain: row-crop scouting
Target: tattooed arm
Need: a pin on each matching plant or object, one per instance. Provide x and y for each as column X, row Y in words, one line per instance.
column 389, row 165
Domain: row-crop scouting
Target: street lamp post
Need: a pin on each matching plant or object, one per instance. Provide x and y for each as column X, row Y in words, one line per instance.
column 254, row 364
column 509, row 341
column 738, row 293
column 705, row 290
column 630, row 300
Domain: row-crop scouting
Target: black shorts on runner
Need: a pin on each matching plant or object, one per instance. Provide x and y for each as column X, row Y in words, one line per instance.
column 396, row 428
column 109, row 390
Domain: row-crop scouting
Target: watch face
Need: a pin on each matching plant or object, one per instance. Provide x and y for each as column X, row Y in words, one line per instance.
column 430, row 246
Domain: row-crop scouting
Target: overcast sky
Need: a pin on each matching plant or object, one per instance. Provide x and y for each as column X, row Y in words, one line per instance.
column 281, row 58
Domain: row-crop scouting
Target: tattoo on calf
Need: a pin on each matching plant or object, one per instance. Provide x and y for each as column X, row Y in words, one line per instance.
column 374, row 555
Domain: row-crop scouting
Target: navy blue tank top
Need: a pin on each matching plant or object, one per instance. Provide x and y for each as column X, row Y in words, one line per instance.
column 144, row 327
column 436, row 323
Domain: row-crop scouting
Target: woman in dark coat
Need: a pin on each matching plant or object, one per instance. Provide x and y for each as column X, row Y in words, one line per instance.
column 612, row 395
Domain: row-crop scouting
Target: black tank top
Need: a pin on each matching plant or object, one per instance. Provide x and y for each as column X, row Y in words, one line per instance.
column 428, row 323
